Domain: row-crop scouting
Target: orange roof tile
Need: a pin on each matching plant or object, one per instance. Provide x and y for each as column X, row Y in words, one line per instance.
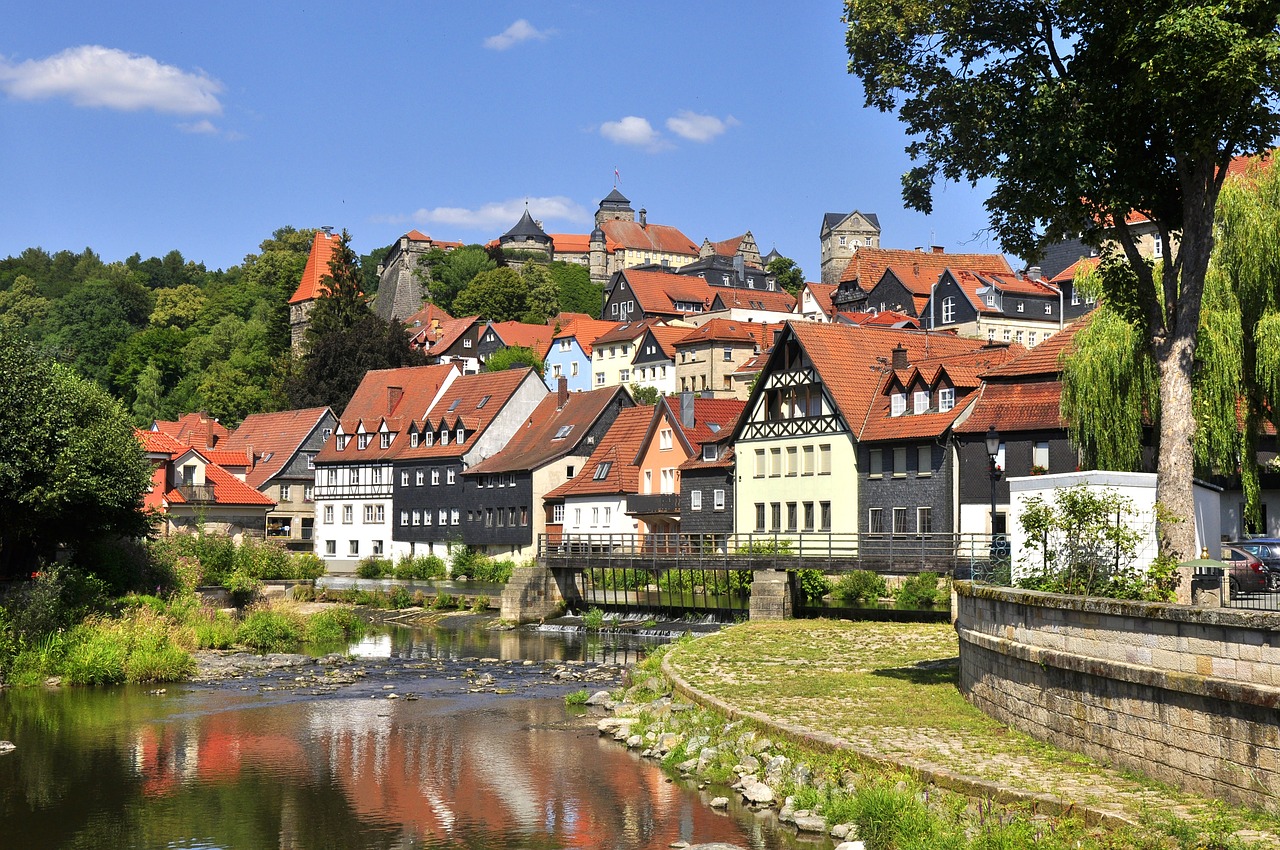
column 427, row 317
column 728, row 247
column 628, row 331
column 1020, row 406
column 273, row 439
column 657, row 292
column 617, row 448
column 779, row 300
column 158, row 442
column 1069, row 273
column 225, row 458
column 822, row 293
column 666, row 337
column 651, row 237
column 534, row 445
column 868, row 264
column 227, row 490
column 1045, row 358
column 317, row 269
column 396, row 395
column 194, row 429
column 534, row 337
column 448, row 334
column 586, row 331
column 570, row 243
column 730, row 330
column 475, row 400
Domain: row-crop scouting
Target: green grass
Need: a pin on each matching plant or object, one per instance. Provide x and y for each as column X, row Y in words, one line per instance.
column 267, row 630
column 576, row 697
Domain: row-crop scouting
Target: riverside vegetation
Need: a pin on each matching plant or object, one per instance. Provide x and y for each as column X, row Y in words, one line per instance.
column 866, row 684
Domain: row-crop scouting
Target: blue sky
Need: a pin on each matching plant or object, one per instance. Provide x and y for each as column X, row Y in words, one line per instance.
column 203, row 127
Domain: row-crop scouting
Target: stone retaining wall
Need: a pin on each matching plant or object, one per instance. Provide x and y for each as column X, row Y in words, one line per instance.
column 1189, row 696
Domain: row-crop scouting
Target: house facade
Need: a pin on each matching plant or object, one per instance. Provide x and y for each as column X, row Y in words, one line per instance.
column 1001, row 308
column 593, row 504
column 708, row 356
column 654, row 362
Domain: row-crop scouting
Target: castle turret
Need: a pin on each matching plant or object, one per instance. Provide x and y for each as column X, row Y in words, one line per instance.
column 598, row 259
column 615, row 207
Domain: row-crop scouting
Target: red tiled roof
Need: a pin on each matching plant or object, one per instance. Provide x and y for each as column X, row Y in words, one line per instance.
column 657, row 292
column 227, row 490
column 1019, row 406
column 395, row 395
column 1045, row 358
column 317, row 268
column 570, row 243
column 822, row 296
column 884, row 318
column 882, row 426
column 194, row 429
column 534, row 337
column 779, row 300
column 225, row 458
column 416, row 235
column 712, row 418
column 427, row 317
column 868, row 264
column 728, row 330
column 728, row 247
column 724, row 460
column 628, row 331
column 618, row 447
column 449, row 333
column 1021, row 285
column 586, row 331
column 273, row 438
column 534, row 444
column 651, row 237
column 666, row 337
column 158, row 442
column 475, row 400
column 1069, row 273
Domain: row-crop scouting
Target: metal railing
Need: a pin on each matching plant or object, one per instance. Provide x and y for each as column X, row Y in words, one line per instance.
column 195, row 493
column 957, row 554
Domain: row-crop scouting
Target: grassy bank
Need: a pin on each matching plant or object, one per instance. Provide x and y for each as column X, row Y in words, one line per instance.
column 889, row 692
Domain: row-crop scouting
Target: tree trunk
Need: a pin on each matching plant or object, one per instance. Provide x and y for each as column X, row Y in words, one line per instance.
column 1176, row 467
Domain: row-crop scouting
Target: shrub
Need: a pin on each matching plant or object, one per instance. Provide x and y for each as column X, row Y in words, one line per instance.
column 399, row 598
column 56, row 597
column 593, row 620
column 307, row 566
column 813, row 584
column 304, row 593
column 480, row 604
column 243, row 586
column 334, row 625
column 263, row 559
column 860, row 586
column 495, row 572
column 442, row 601
column 374, row 567
column 918, row 591
column 267, row 630
column 420, row 567
column 214, row 630
column 577, row 697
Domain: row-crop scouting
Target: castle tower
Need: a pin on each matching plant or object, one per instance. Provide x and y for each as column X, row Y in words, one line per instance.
column 310, row 287
column 599, row 260
column 615, row 207
column 527, row 235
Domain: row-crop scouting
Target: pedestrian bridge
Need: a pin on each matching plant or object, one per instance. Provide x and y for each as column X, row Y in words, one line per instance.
column 727, row 576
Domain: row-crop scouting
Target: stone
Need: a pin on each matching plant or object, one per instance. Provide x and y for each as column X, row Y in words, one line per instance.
column 688, row 766
column 610, row 725
column 634, row 742
column 719, row 802
column 751, row 764
column 841, row 830
column 705, row 757
column 599, row 698
column 755, row 791
column 715, row 845
column 668, row 741
column 775, row 769
column 811, row 823
column 851, row 845
column 7, row 747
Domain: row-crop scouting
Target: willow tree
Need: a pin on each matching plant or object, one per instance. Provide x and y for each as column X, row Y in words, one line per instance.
column 1085, row 115
column 1110, row 387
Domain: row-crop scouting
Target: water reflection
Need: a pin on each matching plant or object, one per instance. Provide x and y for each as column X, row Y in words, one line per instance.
column 218, row 767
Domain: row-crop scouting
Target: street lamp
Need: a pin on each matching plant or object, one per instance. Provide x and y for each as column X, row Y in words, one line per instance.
column 993, row 449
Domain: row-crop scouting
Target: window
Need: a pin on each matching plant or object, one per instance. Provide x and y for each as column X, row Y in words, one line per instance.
column 602, row 470
column 404, row 517
column 924, row 520
column 1031, row 338
column 875, row 463
column 331, row 477
column 599, row 379
column 380, row 513
column 328, row 514
column 348, row 514
column 419, row 477
column 573, row 369
column 608, row 515
column 924, row 460
column 728, row 354
column 792, row 461
column 946, row 399
column 1048, row 308
column 325, row 435
column 466, row 343
column 461, row 436
column 1040, row 454
column 1007, row 335
column 775, row 463
column 1020, row 306
column 557, row 514
column 435, row 477
column 897, row 404
column 413, row 439
column 384, row 440
column 824, row 509
column 311, row 461
column 793, row 516
column 1018, row 337
column 717, row 499
column 577, row 517
column 428, row 437
column 377, row 475
column 308, row 493
column 875, row 520
column 1075, row 298
column 775, row 516
column 331, row 547
column 695, row 500
column 824, row 459
column 562, row 432
column 444, row 517
column 759, row 516
column 450, row 476
column 624, row 375
column 368, row 513
column 564, row 345
column 595, row 516
column 285, row 492
column 842, row 239
column 899, row 520
column 353, row 548
column 404, row 478
column 444, row 436
column 354, row 476
column 806, row 466
column 362, row 441
column 808, row 516
column 668, row 480
column 377, row 547
column 1157, row 247
column 488, row 518
column 948, row 309
column 759, row 463
column 991, row 300
column 708, row 452
column 921, row 401
column 664, row 439
column 417, row 517
column 524, row 515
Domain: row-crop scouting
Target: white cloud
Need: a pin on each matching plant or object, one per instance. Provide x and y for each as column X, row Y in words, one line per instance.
column 204, row 125
column 634, row 131
column 699, row 128
column 520, row 31
column 503, row 214
column 92, row 75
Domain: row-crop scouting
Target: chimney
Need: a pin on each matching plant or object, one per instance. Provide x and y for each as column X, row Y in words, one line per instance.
column 915, row 268
column 562, row 392
column 686, row 409
column 643, row 214
column 740, row 269
column 900, row 357
column 1034, row 273
column 937, row 249
column 394, row 394
column 328, row 230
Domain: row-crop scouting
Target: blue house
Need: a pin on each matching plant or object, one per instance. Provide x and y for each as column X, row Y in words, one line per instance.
column 570, row 353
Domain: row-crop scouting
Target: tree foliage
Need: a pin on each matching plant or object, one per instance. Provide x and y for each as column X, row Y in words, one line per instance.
column 71, row 469
column 448, row 273
column 513, row 356
column 542, row 298
column 499, row 295
column 575, row 290
column 1085, row 117
column 644, row 395
column 790, row 276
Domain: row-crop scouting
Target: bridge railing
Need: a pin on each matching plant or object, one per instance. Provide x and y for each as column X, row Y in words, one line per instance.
column 964, row 555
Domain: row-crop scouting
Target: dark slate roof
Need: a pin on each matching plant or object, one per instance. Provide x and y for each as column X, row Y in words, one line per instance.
column 526, row 228
column 770, row 257
column 615, row 199
column 830, row 220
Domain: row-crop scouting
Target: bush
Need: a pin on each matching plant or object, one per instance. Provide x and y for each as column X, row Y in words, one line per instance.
column 420, row 567
column 243, row 586
column 334, row 625
column 918, row 591
column 860, row 586
column 577, row 697
column 593, row 620
column 480, row 604
column 813, row 584
column 374, row 567
column 214, row 630
column 263, row 559
column 56, row 597
column 267, row 630
column 399, row 598
column 442, row 601
column 307, row 566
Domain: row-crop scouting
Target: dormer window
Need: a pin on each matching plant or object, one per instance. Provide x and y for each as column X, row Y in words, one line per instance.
column 413, row 439
column 385, row 439
column 444, row 436
column 946, row 399
column 920, row 402
column 362, row 441
column 897, row 404
column 429, row 437
column 991, row 300
column 461, row 436
column 708, row 452
column 1020, row 305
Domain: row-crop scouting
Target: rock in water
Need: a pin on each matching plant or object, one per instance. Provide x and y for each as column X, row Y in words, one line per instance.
column 7, row 747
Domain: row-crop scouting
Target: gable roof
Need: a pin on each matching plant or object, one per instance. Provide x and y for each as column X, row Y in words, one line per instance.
column 194, row 429
column 658, row 292
column 273, row 439
column 1045, row 359
column 833, row 220
column 534, row 337
column 758, row 334
column 586, row 331
column 394, row 396
column 317, row 268
column 449, row 332
column 617, row 448
column 821, row 293
column 475, row 401
column 868, row 264
column 628, row 331
column 777, row 300
column 666, row 337
column 429, row 316
column 1067, row 275
column 227, row 489
column 534, row 444
column 571, row 243
column 659, row 238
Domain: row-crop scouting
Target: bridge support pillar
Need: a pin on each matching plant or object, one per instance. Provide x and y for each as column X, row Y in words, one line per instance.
column 532, row 594
column 770, row 595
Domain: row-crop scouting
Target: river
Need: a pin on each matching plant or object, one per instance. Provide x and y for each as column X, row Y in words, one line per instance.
column 476, row 749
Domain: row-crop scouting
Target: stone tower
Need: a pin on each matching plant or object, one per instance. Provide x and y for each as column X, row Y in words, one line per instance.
column 401, row 291
column 615, row 207
column 841, row 235
column 599, row 260
column 311, row 286
column 527, row 235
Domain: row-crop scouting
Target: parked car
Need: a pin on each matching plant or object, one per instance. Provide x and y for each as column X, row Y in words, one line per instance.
column 1267, row 550
column 1247, row 572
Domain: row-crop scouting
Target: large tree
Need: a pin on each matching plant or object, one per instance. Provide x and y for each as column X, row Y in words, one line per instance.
column 71, row 469
column 1084, row 116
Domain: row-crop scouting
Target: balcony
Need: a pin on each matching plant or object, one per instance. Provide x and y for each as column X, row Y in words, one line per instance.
column 653, row 503
column 196, row 493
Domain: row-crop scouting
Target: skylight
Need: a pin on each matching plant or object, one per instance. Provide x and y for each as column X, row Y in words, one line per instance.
column 602, row 471
column 562, row 432
column 482, row 402
column 454, row 406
